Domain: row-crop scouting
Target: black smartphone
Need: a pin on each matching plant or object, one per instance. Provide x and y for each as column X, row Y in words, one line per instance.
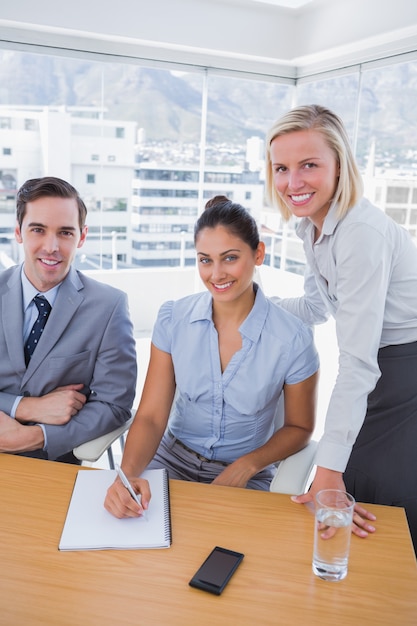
column 217, row 570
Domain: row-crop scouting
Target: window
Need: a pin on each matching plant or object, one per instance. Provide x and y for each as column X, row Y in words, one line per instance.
column 385, row 139
column 120, row 230
column 151, row 178
column 115, row 204
column 92, row 203
column 169, row 175
column 397, row 194
column 169, row 210
column 339, row 93
column 168, row 193
column 398, row 215
column 218, row 192
column 31, row 124
column 8, row 180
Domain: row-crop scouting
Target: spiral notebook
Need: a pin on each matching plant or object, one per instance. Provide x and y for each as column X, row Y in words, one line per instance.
column 88, row 526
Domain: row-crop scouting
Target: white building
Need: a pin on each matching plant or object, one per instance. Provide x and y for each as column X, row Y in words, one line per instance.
column 77, row 144
column 397, row 196
column 167, row 201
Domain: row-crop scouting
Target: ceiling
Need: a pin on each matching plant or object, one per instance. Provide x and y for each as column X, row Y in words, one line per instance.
column 277, row 38
column 291, row 4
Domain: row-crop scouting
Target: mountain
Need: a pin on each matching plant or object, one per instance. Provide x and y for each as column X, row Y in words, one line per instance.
column 168, row 105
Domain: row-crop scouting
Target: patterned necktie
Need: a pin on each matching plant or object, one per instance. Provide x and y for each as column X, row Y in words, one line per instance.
column 44, row 309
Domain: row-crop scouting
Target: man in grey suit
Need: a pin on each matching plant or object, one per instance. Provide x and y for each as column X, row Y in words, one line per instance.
column 80, row 380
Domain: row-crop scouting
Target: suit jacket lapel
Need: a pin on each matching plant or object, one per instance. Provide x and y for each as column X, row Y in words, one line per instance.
column 12, row 320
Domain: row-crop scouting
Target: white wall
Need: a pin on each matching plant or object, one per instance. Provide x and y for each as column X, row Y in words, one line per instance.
column 288, row 285
column 147, row 289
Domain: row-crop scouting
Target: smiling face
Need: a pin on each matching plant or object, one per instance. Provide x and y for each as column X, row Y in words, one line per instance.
column 226, row 263
column 305, row 173
column 50, row 234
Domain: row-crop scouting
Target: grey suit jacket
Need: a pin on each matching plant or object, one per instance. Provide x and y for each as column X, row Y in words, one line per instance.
column 88, row 339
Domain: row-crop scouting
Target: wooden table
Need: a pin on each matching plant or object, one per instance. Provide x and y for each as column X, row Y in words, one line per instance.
column 273, row 585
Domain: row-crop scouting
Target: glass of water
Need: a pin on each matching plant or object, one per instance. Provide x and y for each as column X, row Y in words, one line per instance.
column 332, row 531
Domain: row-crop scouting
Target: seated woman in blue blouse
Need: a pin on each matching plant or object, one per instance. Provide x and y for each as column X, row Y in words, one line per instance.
column 219, row 362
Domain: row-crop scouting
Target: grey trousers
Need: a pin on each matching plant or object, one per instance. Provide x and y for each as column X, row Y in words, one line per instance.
column 185, row 465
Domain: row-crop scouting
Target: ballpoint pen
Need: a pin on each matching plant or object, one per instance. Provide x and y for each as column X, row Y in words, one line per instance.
column 126, row 483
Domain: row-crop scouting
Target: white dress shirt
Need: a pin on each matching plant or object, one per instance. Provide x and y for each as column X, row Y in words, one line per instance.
column 30, row 314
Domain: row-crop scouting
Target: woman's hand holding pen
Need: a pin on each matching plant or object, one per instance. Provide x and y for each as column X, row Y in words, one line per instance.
column 119, row 501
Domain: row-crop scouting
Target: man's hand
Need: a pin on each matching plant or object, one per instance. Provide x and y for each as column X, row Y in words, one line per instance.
column 56, row 407
column 15, row 437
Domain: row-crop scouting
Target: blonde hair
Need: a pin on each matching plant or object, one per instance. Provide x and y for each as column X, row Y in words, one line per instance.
column 318, row 118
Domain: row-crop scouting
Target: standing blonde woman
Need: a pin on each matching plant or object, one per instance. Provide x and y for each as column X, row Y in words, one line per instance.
column 362, row 270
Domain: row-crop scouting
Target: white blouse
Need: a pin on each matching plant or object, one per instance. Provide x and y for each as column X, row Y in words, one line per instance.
column 363, row 271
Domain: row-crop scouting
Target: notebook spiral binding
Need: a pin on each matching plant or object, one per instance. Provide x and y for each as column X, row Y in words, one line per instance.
column 167, row 524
